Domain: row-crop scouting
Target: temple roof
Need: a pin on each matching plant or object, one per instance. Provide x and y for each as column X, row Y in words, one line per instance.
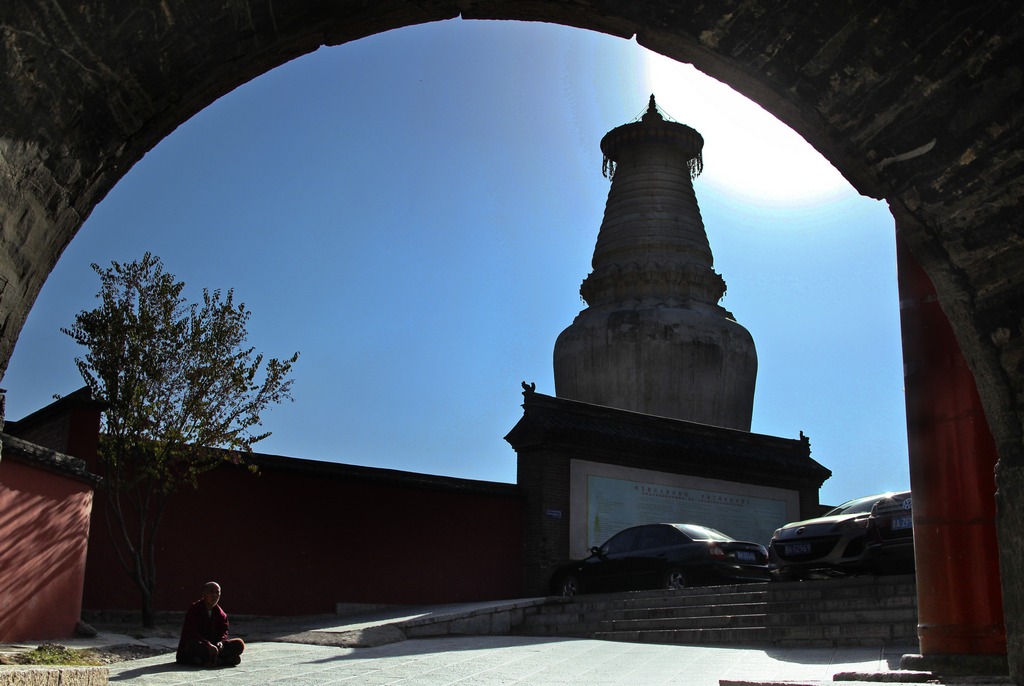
column 703, row 450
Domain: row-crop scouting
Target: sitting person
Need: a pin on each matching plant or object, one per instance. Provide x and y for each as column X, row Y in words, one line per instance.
column 204, row 635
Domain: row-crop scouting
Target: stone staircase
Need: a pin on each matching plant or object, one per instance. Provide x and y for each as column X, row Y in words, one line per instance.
column 876, row 611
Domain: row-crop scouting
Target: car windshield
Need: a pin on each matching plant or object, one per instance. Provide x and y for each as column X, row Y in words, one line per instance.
column 702, row 533
column 855, row 506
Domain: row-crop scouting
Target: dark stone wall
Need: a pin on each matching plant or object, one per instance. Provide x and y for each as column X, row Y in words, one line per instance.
column 543, row 475
column 913, row 102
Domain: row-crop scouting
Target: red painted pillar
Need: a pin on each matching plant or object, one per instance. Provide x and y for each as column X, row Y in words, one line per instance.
column 952, row 462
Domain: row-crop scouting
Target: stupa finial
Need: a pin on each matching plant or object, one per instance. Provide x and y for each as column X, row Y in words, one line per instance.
column 654, row 126
column 652, row 110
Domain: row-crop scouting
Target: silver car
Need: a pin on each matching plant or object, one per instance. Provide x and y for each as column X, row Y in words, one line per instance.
column 831, row 544
column 890, row 535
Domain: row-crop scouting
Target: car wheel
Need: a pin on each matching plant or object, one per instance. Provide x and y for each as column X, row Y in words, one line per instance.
column 569, row 586
column 675, row 579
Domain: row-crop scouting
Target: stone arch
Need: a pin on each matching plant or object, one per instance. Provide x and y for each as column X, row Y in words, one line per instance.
column 913, row 104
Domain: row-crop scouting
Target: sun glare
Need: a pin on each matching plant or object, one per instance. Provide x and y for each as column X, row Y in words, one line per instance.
column 748, row 153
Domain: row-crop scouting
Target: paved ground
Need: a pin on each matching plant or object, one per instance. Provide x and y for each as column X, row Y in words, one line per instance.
column 494, row 660
column 315, row 651
column 303, row 659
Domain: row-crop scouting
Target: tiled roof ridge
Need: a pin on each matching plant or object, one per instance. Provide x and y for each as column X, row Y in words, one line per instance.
column 27, row 452
column 609, row 426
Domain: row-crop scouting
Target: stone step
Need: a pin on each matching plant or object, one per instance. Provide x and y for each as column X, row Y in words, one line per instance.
column 855, row 609
column 611, row 602
column 706, row 616
column 852, row 587
column 711, row 610
column 675, row 623
column 893, row 602
column 865, row 633
column 849, row 611
column 704, row 606
column 779, row 623
column 870, row 634
column 841, row 616
column 754, row 636
column 688, row 596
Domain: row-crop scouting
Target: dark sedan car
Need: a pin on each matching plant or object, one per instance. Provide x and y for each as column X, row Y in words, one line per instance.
column 669, row 556
column 890, row 535
column 831, row 544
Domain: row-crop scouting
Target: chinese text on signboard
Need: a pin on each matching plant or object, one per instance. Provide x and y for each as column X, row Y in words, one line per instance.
column 614, row 504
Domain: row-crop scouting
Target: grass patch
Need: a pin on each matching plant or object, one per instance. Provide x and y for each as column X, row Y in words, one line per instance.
column 51, row 654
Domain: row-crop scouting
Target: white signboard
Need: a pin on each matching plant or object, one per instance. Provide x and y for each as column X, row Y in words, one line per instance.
column 609, row 499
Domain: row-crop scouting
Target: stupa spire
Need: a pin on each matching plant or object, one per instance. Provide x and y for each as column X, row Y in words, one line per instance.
column 652, row 108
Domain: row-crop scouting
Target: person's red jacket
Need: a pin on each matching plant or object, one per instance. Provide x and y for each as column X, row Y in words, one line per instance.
column 200, row 626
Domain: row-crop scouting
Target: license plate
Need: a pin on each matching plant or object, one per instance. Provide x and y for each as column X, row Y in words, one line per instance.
column 746, row 556
column 798, row 549
column 904, row 522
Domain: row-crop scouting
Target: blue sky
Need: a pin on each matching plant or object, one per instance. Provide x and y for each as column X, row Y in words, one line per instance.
column 414, row 212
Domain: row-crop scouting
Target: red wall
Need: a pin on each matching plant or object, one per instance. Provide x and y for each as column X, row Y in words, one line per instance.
column 302, row 536
column 44, row 528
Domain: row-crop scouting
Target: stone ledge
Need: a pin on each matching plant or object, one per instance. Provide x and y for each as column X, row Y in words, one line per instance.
column 53, row 676
column 496, row 623
column 958, row 665
column 496, row 620
column 369, row 637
